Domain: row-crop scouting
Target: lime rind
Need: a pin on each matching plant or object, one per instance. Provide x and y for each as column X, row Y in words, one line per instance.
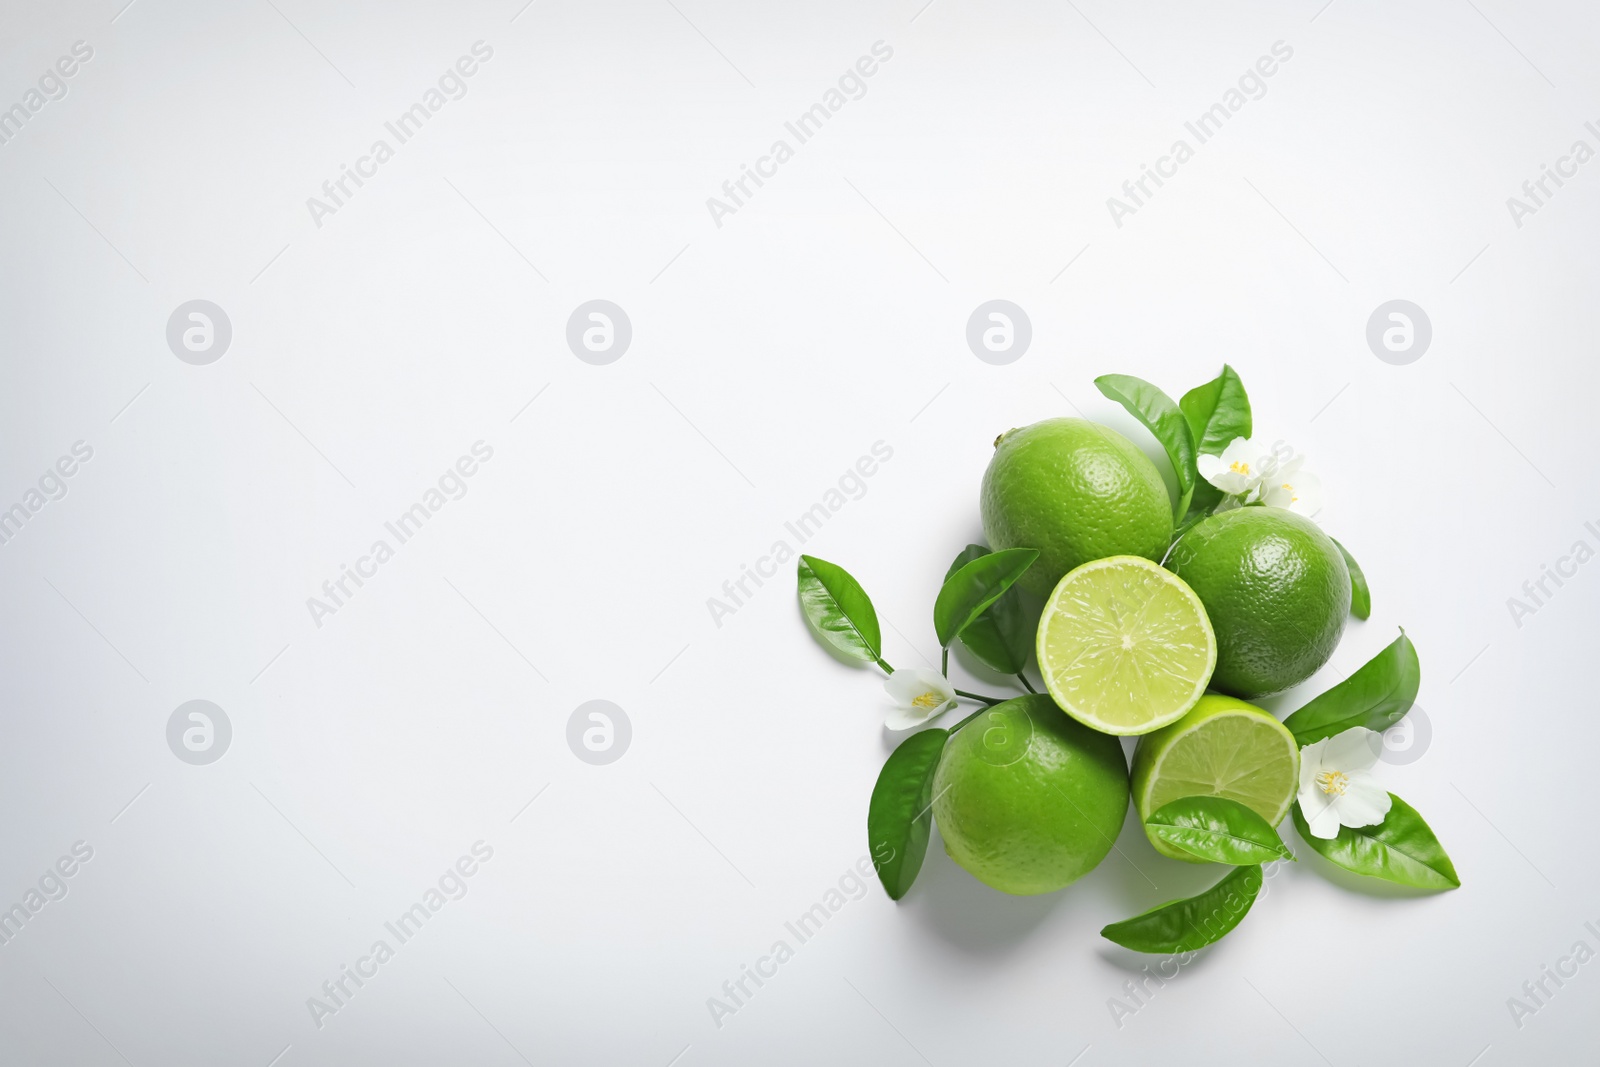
column 1125, row 646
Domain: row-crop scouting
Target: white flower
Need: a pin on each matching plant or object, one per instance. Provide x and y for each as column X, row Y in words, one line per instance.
column 1239, row 469
column 1283, row 462
column 919, row 696
column 1250, row 472
column 1336, row 785
column 1300, row 492
column 1290, row 487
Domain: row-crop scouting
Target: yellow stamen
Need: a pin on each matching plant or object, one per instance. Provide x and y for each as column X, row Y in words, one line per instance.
column 930, row 699
column 1239, row 467
column 1333, row 783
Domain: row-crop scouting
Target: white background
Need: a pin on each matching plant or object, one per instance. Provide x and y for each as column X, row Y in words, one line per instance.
column 768, row 354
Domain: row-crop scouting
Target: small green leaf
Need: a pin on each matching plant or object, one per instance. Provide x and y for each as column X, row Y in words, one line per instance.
column 1196, row 514
column 1219, row 830
column 1180, row 510
column 1186, row 925
column 1360, row 595
column 1401, row 849
column 901, row 812
column 1003, row 635
column 1205, row 496
column 1376, row 696
column 1217, row 412
column 964, row 557
column 1163, row 419
column 839, row 609
column 970, row 590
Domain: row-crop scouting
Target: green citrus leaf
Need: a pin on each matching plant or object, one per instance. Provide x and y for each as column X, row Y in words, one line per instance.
column 1205, row 497
column 1196, row 514
column 1360, row 595
column 1219, row 830
column 1003, row 635
column 975, row 586
column 1376, row 696
column 1186, row 925
column 1164, row 420
column 1401, row 849
column 839, row 609
column 900, row 815
column 1217, row 412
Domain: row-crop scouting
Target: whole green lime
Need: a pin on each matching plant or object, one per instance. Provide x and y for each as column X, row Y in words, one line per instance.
column 1028, row 800
column 1075, row 491
column 1277, row 591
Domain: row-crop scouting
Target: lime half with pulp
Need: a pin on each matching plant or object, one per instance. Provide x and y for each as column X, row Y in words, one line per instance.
column 1125, row 646
column 1222, row 748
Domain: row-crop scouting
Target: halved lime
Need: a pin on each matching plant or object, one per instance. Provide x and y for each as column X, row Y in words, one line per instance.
column 1124, row 646
column 1222, row 748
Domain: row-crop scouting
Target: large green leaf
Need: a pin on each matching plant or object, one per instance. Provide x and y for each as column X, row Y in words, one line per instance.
column 1165, row 421
column 1360, row 595
column 1376, row 696
column 1219, row 830
column 1186, row 925
column 975, row 586
column 839, row 609
column 1003, row 635
column 901, row 812
column 1217, row 412
column 1401, row 849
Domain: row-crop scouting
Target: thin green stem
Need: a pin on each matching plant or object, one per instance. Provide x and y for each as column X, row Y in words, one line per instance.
column 944, row 662
column 988, row 701
column 884, row 665
column 954, row 729
column 1023, row 678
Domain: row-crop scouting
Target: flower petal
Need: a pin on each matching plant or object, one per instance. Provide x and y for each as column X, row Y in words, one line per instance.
column 1240, row 448
column 1306, row 496
column 1300, row 493
column 1312, row 799
column 907, row 684
column 1240, row 467
column 1353, row 751
column 1324, row 824
column 1365, row 802
column 908, row 718
column 1214, row 469
column 1288, row 467
column 919, row 695
column 1311, row 760
column 1229, row 482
